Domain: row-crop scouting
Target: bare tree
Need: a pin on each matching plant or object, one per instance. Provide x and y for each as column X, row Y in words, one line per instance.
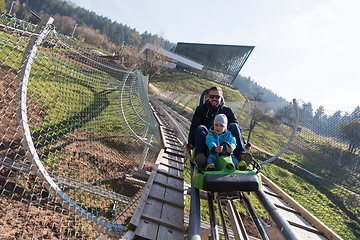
column 130, row 50
column 351, row 133
column 260, row 113
column 153, row 61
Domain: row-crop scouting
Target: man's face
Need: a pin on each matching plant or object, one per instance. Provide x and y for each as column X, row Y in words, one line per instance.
column 215, row 98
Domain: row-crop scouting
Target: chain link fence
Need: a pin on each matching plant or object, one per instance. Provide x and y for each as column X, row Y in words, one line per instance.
column 75, row 129
column 320, row 169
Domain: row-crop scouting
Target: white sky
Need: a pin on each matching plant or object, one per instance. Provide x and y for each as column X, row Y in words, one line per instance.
column 304, row 49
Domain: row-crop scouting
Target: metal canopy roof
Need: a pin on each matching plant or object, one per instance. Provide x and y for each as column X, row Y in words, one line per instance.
column 223, row 61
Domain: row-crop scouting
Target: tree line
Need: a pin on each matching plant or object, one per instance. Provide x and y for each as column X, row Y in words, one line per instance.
column 90, row 27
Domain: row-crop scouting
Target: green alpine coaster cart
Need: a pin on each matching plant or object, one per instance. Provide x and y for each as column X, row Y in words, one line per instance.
column 226, row 178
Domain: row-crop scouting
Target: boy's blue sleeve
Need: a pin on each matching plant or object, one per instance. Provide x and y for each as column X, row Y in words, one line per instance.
column 210, row 142
column 232, row 141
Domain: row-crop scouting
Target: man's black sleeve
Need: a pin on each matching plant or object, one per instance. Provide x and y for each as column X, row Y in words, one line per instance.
column 231, row 116
column 196, row 121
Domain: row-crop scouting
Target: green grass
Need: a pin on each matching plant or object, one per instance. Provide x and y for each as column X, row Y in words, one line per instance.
column 181, row 82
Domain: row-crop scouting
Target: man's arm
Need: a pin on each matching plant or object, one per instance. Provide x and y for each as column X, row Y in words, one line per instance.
column 196, row 121
column 231, row 116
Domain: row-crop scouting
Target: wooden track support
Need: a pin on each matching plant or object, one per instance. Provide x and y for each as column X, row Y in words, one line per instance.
column 160, row 211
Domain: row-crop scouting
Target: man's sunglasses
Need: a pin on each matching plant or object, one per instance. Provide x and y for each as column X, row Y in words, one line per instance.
column 214, row 96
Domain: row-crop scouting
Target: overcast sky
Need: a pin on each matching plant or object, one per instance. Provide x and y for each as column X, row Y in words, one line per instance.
column 304, row 49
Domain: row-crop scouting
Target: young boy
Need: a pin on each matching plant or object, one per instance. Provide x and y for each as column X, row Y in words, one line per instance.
column 215, row 137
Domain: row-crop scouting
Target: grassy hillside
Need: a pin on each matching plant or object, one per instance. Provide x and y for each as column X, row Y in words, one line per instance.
column 183, row 82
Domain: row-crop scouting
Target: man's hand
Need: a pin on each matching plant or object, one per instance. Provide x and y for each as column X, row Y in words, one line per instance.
column 188, row 147
column 248, row 146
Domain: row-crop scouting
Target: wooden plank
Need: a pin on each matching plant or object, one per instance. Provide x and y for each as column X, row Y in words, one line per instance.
column 167, row 201
column 179, row 149
column 174, row 152
column 176, row 145
column 142, row 202
column 171, row 142
column 166, row 195
column 170, row 135
column 170, row 175
column 166, row 233
column 160, row 221
column 170, row 172
column 168, row 129
column 169, row 182
column 157, row 191
column 158, row 120
column 129, row 235
column 171, row 217
column 287, row 208
column 170, row 187
column 307, row 228
column 271, row 193
column 174, row 158
column 173, row 167
column 146, row 230
column 293, row 216
column 161, row 178
column 174, row 197
column 172, row 138
column 175, row 183
column 174, row 215
column 175, row 172
column 172, row 163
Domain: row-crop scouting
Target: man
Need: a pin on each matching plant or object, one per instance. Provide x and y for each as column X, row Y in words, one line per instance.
column 203, row 120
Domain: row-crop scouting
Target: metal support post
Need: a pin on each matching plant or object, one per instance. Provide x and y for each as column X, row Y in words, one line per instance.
column 194, row 221
column 213, row 225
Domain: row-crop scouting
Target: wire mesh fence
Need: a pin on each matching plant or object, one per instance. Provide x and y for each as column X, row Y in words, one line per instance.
column 74, row 127
column 320, row 169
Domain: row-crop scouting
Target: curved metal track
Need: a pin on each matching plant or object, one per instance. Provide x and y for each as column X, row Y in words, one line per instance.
column 296, row 121
column 101, row 225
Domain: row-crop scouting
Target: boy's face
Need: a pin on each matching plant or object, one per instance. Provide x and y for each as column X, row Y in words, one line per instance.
column 218, row 128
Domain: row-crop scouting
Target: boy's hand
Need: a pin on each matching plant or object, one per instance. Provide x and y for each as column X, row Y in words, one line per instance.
column 218, row 149
column 229, row 149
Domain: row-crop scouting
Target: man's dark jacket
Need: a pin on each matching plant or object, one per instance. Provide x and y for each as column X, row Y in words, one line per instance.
column 204, row 115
